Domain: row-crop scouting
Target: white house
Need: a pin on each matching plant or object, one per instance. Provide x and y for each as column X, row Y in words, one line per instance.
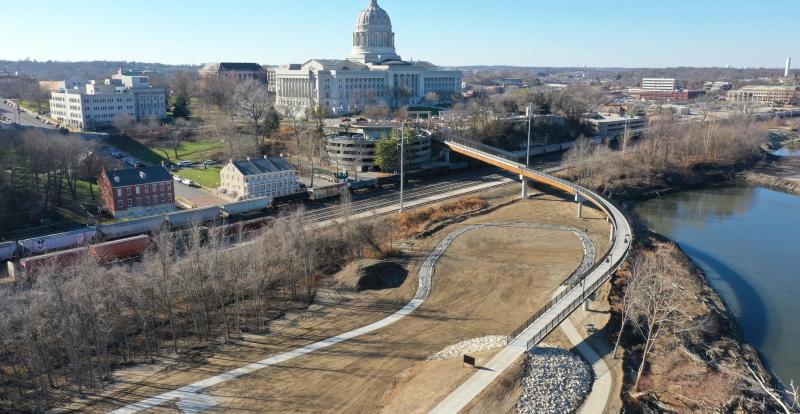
column 260, row 177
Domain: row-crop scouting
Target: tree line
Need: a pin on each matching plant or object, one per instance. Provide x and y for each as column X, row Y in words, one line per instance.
column 44, row 170
column 67, row 328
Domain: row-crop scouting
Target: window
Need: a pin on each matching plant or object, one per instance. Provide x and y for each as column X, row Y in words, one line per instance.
column 147, row 189
column 129, row 192
column 147, row 200
column 130, row 202
column 161, row 187
column 138, row 190
column 119, row 204
column 119, row 192
column 162, row 198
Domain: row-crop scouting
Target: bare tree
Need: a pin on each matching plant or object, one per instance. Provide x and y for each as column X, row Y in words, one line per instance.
column 253, row 100
column 655, row 307
column 218, row 91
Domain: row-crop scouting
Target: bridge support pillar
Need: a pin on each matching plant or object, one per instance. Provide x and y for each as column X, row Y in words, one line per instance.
column 611, row 234
column 524, row 180
column 586, row 305
column 580, row 209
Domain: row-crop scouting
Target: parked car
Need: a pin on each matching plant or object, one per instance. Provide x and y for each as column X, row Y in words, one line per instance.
column 209, row 162
column 187, row 181
column 176, row 178
column 185, row 163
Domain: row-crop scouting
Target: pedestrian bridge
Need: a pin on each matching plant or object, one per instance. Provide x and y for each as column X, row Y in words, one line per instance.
column 568, row 298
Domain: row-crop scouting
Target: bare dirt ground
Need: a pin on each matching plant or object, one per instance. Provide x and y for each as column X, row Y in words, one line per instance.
column 488, row 282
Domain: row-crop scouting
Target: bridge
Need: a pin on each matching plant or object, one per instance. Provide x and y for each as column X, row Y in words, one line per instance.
column 568, row 298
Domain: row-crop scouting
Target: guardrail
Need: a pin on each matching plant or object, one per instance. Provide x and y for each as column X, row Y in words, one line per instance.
column 612, row 213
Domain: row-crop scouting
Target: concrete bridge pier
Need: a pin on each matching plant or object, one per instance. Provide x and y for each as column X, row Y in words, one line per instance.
column 524, row 180
column 579, row 200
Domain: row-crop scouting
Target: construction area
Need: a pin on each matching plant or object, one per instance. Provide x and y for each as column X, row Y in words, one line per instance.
column 488, row 281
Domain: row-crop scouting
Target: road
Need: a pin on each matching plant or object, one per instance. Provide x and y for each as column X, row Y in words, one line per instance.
column 25, row 118
column 197, row 196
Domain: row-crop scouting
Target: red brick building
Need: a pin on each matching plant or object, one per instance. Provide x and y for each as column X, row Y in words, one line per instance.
column 671, row 96
column 137, row 192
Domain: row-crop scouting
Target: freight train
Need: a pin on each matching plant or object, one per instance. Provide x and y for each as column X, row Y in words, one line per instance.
column 98, row 236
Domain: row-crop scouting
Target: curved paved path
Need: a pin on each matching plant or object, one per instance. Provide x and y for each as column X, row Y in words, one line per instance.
column 570, row 300
column 192, row 398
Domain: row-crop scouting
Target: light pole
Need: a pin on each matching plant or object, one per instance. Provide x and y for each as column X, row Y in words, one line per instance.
column 402, row 160
column 529, row 110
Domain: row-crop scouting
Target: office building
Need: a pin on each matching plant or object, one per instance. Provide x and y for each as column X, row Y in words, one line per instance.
column 659, row 84
column 96, row 104
column 766, row 94
column 232, row 71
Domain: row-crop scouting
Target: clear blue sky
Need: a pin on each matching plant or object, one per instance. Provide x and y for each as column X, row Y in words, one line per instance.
column 625, row 33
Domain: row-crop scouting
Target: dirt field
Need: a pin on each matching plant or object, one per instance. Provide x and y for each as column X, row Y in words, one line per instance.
column 488, row 282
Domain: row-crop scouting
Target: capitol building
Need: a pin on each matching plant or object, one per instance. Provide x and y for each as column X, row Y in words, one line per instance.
column 373, row 74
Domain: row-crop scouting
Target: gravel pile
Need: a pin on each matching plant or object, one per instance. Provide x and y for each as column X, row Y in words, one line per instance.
column 555, row 381
column 486, row 343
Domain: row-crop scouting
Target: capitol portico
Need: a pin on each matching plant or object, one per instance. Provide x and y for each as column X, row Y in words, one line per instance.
column 372, row 74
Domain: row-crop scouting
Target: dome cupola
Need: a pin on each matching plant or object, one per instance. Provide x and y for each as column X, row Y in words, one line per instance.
column 373, row 40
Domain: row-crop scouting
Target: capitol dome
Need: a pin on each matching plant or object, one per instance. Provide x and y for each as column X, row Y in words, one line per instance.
column 373, row 40
column 373, row 18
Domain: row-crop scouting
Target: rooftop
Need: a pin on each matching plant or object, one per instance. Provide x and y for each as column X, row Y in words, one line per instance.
column 232, row 66
column 262, row 165
column 136, row 176
column 768, row 87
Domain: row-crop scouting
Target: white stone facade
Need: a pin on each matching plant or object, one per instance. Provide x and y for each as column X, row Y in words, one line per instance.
column 373, row 74
column 99, row 104
column 260, row 177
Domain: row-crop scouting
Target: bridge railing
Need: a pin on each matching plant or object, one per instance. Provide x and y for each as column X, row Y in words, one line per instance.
column 611, row 212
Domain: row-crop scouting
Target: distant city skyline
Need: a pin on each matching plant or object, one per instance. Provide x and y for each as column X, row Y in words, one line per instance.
column 449, row 32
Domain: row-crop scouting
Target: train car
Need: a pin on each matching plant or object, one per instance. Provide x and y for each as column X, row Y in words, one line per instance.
column 120, row 249
column 31, row 265
column 8, row 250
column 388, row 179
column 330, row 191
column 295, row 198
column 552, row 148
column 197, row 215
column 58, row 241
column 247, row 206
column 131, row 228
column 240, row 229
column 363, row 184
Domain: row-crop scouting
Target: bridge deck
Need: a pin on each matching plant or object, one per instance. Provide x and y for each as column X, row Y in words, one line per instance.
column 569, row 299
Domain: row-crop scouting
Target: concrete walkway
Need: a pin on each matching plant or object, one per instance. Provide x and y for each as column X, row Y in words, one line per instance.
column 603, row 384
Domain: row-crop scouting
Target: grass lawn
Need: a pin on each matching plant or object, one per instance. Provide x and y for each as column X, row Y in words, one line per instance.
column 207, row 178
column 193, row 151
column 31, row 106
column 84, row 195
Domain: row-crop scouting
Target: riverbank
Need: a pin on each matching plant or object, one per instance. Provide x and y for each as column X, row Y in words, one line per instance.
column 711, row 371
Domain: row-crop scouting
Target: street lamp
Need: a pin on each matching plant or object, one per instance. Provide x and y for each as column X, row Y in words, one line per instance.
column 529, row 110
column 402, row 160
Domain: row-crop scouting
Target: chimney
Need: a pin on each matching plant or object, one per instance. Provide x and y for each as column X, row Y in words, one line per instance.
column 248, row 158
column 265, row 156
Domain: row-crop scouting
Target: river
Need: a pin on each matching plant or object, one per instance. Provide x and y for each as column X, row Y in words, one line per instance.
column 747, row 240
